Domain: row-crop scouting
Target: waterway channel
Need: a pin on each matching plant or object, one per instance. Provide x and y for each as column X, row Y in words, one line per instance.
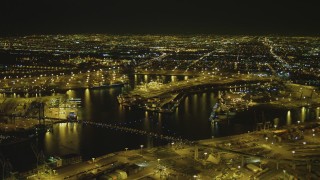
column 189, row 121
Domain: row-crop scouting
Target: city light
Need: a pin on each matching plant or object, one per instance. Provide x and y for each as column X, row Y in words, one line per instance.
column 187, row 106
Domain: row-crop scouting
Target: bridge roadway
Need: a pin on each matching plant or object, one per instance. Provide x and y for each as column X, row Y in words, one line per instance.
column 71, row 174
column 192, row 143
column 184, row 141
column 111, row 126
column 138, row 131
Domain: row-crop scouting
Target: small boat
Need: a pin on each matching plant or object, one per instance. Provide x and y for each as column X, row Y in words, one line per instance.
column 213, row 113
column 72, row 116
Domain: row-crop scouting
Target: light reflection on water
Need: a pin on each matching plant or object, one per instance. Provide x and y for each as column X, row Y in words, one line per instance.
column 186, row 104
column 159, row 124
column 276, row 122
column 214, row 130
column 87, row 105
column 173, row 78
column 190, row 121
column 68, row 136
column 146, row 78
column 146, row 121
column 136, row 79
column 303, row 114
column 289, row 119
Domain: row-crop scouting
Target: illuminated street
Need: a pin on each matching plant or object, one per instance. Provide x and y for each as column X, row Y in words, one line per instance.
column 143, row 90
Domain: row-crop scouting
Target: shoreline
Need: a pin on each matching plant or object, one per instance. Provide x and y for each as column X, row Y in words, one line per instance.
column 234, row 146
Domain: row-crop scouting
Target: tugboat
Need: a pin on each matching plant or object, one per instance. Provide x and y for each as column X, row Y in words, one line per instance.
column 220, row 112
column 213, row 113
column 72, row 116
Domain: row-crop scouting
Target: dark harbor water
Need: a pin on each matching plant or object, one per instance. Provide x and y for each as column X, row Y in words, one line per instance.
column 189, row 121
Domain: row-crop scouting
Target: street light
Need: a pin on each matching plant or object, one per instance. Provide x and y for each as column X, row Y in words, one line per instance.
column 141, row 146
column 93, row 159
column 195, row 176
column 304, row 143
column 293, row 152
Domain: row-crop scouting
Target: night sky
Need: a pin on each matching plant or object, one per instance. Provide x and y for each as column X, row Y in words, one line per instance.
column 284, row 17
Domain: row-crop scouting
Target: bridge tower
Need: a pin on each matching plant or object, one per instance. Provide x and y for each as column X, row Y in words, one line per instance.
column 41, row 116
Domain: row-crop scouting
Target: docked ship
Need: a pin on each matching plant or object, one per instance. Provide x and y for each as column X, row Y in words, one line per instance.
column 107, row 85
column 219, row 113
column 72, row 116
column 213, row 113
column 222, row 111
column 227, row 106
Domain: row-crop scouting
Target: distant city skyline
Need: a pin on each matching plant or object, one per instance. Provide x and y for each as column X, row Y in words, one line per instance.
column 159, row 17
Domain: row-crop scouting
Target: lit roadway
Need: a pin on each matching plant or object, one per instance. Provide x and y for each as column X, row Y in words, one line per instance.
column 201, row 58
column 238, row 145
column 76, row 170
column 203, row 80
column 283, row 63
column 147, row 63
column 99, row 165
column 290, row 154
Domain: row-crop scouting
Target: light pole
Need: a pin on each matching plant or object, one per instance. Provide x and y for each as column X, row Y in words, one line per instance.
column 93, row 160
column 313, row 136
column 293, row 152
column 205, row 155
column 158, row 164
column 141, row 146
column 304, row 143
